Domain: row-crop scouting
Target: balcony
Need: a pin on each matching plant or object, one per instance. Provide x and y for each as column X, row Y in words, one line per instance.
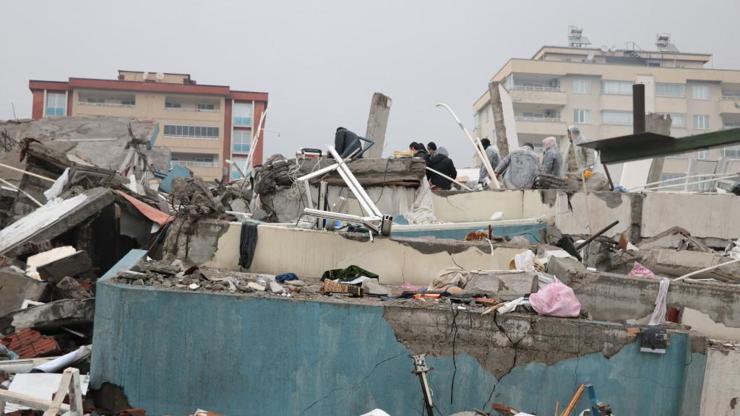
column 549, row 126
column 729, row 104
column 536, row 94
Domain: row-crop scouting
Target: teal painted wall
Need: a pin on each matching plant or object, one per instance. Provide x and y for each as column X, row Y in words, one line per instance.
column 174, row 352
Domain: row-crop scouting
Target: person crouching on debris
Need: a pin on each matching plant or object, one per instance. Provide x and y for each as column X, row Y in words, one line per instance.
column 442, row 164
column 493, row 159
column 552, row 161
column 519, row 168
column 418, row 150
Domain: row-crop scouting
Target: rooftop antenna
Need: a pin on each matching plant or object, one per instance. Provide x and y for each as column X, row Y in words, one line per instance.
column 664, row 44
column 576, row 38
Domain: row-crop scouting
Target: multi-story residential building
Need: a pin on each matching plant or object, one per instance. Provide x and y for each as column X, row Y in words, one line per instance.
column 202, row 125
column 592, row 88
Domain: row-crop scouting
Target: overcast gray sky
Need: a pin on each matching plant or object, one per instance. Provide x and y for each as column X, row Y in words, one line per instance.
column 321, row 61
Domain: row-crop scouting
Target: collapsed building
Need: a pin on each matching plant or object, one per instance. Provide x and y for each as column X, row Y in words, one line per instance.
column 330, row 286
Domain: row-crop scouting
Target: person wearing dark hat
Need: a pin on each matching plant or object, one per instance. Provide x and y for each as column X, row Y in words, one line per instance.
column 492, row 156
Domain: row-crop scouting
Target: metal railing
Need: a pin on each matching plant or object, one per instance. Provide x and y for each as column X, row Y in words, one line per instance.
column 731, row 97
column 539, row 119
column 541, row 88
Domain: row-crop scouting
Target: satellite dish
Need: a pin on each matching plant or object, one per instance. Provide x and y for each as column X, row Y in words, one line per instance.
column 604, row 48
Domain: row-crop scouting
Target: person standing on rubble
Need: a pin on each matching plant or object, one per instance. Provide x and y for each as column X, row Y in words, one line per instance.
column 442, row 164
column 520, row 168
column 493, row 158
column 552, row 161
column 581, row 160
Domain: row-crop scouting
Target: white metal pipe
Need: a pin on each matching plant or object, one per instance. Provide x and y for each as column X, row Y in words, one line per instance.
column 447, row 177
column 706, row 269
column 682, row 178
column 477, row 144
column 351, row 177
column 363, row 202
column 319, row 172
column 27, row 172
column 21, row 191
column 694, row 183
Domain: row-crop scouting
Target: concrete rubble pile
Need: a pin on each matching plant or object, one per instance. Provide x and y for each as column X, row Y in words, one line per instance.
column 79, row 198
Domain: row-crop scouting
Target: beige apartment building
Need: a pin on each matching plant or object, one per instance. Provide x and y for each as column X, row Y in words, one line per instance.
column 204, row 126
column 592, row 88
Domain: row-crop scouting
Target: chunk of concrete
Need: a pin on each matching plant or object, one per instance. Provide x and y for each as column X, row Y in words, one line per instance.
column 51, row 315
column 276, row 287
column 373, row 288
column 676, row 263
column 77, row 264
column 256, row 286
column 503, row 285
column 15, row 288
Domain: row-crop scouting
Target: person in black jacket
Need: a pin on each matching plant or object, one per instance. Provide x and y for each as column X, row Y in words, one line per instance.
column 418, row 150
column 442, row 164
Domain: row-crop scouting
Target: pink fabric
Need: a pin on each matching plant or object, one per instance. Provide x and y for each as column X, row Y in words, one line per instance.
column 638, row 270
column 556, row 299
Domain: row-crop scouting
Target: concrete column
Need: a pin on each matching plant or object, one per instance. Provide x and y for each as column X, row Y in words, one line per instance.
column 377, row 122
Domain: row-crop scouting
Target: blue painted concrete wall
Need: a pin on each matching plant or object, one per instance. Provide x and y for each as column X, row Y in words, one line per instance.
column 174, row 352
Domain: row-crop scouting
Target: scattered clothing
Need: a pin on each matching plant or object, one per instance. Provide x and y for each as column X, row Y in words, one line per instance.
column 348, row 273
column 638, row 270
column 247, row 244
column 658, row 315
column 443, row 164
column 520, row 168
column 285, row 277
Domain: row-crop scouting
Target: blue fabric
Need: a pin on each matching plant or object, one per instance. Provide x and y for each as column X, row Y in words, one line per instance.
column 285, row 277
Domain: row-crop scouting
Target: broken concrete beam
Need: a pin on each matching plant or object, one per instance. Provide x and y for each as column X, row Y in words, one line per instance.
column 373, row 172
column 50, row 315
column 52, row 220
column 503, row 285
column 677, row 263
column 15, row 288
column 76, row 265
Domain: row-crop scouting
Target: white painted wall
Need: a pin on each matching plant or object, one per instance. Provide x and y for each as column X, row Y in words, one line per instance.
column 721, row 383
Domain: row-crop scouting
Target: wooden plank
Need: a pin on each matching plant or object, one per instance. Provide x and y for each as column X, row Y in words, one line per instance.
column 28, row 401
column 56, row 403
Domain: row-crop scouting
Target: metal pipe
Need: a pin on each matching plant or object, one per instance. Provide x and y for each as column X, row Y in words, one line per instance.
column 706, row 269
column 719, row 178
column 638, row 108
column 319, row 172
column 598, row 233
column 447, row 177
column 348, row 173
column 22, row 191
column 27, row 173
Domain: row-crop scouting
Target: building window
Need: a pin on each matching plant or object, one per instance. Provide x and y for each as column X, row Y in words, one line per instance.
column 241, row 140
column 670, row 90
column 206, row 107
column 582, row 86
column 172, row 104
column 731, row 152
column 243, row 114
column 194, row 160
column 56, row 104
column 702, row 154
column 195, row 132
column 130, row 102
column 617, row 87
column 701, row 121
column 700, row 92
column 623, row 118
column 581, row 116
column 678, row 120
column 96, row 100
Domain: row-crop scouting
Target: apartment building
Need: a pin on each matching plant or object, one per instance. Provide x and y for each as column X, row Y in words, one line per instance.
column 592, row 88
column 202, row 125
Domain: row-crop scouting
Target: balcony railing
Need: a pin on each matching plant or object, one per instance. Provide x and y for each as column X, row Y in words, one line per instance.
column 731, row 97
column 543, row 88
column 539, row 119
column 192, row 109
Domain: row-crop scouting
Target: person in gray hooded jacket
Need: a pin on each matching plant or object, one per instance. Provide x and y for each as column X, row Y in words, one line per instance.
column 520, row 168
column 552, row 162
